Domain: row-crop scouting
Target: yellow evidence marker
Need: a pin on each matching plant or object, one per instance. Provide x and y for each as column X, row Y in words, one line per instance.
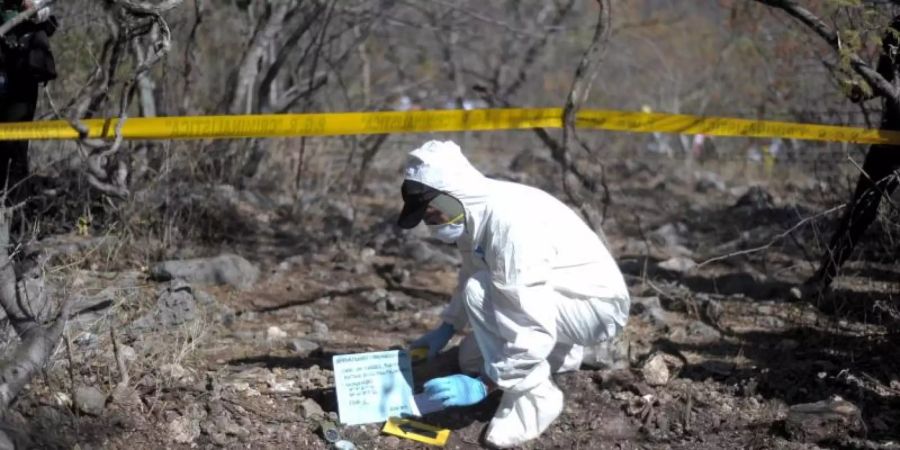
column 418, row 354
column 416, row 431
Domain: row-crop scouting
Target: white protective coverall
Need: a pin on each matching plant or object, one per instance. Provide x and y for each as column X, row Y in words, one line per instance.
column 536, row 285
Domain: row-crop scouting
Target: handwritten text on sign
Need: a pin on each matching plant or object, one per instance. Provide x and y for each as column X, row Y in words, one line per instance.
column 373, row 386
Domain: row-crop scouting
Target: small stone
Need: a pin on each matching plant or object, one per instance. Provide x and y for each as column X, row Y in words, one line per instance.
column 281, row 386
column 85, row 339
column 275, row 334
column 755, row 198
column 219, row 439
column 225, row 425
column 344, row 445
column 183, row 430
column 125, row 395
column 703, row 331
column 309, row 409
column 228, row 269
column 62, row 399
column 609, row 354
column 677, row 264
column 826, row 420
column 367, row 254
column 709, row 182
column 320, row 328
column 89, row 400
column 669, row 234
column 303, row 347
column 127, row 353
column 655, row 371
column 650, row 309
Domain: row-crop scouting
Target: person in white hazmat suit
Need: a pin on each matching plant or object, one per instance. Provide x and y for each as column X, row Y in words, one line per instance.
column 536, row 286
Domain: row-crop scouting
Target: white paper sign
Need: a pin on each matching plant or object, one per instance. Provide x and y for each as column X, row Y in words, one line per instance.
column 373, row 386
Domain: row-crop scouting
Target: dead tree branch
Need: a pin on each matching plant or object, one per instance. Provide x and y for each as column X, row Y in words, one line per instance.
column 878, row 83
column 38, row 341
column 497, row 95
column 771, row 242
column 285, row 50
column 269, row 26
column 107, row 169
column 581, row 86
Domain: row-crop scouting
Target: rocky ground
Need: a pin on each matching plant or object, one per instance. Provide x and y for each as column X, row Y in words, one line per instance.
column 235, row 351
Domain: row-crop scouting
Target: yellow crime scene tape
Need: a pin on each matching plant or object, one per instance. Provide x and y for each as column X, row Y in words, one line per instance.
column 350, row 123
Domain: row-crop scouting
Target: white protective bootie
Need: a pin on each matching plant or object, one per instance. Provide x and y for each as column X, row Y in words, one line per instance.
column 522, row 417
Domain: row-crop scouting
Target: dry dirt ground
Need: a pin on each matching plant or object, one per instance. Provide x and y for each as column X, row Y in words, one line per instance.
column 717, row 354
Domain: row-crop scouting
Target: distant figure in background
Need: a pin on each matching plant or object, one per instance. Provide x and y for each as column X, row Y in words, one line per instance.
column 25, row 62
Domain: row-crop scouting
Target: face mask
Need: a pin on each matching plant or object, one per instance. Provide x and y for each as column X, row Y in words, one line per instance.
column 448, row 233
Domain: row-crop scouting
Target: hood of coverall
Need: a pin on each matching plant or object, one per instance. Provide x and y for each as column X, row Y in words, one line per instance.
column 442, row 166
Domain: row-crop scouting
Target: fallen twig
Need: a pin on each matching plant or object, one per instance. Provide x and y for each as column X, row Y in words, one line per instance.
column 775, row 240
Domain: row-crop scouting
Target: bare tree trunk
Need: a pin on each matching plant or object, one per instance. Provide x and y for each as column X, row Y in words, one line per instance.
column 270, row 25
column 269, row 103
column 189, row 46
column 146, row 85
column 581, row 87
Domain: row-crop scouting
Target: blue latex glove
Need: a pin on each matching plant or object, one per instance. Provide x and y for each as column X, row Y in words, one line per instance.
column 456, row 390
column 435, row 340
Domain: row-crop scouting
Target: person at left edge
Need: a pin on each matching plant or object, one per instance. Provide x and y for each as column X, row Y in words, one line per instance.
column 26, row 61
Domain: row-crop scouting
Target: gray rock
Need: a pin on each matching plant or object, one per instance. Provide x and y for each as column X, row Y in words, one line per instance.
column 174, row 306
column 669, row 235
column 755, row 199
column 89, row 400
column 376, row 295
column 677, row 264
column 275, row 333
column 631, row 247
column 698, row 329
column 655, row 371
column 341, row 209
column 826, row 420
column 709, row 182
column 223, row 269
column 650, row 309
column 223, row 424
column 184, row 430
column 309, row 409
column 125, row 395
column 344, row 445
column 611, row 354
column 303, row 347
column 320, row 328
column 86, row 339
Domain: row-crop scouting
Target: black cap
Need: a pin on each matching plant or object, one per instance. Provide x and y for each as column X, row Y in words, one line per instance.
column 416, row 197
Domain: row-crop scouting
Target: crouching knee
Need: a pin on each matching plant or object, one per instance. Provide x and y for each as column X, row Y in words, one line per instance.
column 476, row 289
